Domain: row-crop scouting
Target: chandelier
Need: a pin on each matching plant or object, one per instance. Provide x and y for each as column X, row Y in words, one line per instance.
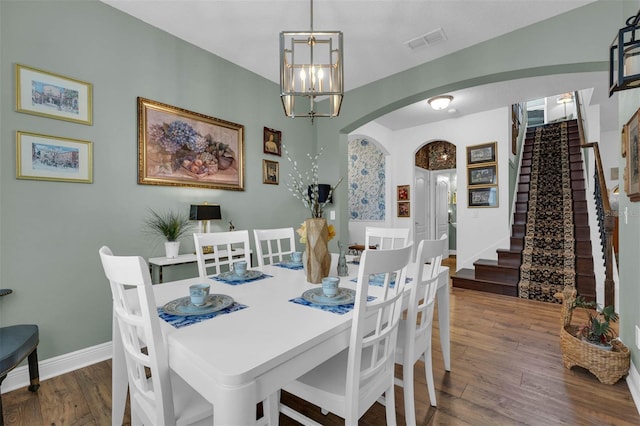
column 310, row 72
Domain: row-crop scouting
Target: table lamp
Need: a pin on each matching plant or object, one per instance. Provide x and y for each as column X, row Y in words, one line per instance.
column 203, row 213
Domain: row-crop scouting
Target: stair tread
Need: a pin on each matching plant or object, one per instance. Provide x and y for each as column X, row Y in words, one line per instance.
column 469, row 274
column 491, row 262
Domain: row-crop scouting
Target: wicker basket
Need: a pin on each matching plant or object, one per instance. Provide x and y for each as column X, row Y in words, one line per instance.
column 607, row 366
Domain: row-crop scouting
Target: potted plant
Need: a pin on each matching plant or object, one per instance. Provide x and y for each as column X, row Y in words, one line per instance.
column 171, row 226
column 597, row 330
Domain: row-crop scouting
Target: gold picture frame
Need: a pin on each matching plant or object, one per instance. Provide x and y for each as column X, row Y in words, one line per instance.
column 53, row 158
column 177, row 147
column 484, row 174
column 403, row 193
column 270, row 172
column 52, row 95
column 486, row 196
column 404, row 209
column 484, row 153
column 632, row 175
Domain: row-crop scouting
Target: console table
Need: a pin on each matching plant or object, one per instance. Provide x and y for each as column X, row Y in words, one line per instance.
column 182, row 259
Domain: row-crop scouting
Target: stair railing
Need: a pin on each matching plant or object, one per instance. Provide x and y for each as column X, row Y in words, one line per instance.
column 606, row 215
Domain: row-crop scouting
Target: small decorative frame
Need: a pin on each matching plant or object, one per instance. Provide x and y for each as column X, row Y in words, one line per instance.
column 632, row 177
column 478, row 154
column 53, row 95
column 272, row 142
column 482, row 175
column 483, row 197
column 42, row 157
column 177, row 147
column 404, row 209
column 403, row 193
column 270, row 172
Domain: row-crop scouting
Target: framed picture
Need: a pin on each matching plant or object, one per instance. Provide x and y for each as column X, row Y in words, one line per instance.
column 633, row 165
column 483, row 197
column 52, row 95
column 177, row 147
column 270, row 172
column 403, row 193
column 485, row 153
column 404, row 209
column 482, row 175
column 272, row 142
column 42, row 157
column 623, row 143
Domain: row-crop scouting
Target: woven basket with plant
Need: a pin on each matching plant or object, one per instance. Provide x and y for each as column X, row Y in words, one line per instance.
column 604, row 356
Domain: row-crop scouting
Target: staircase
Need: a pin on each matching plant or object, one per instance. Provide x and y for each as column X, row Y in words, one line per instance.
column 502, row 276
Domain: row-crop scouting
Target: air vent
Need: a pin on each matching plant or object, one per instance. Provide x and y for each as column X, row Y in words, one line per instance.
column 427, row 40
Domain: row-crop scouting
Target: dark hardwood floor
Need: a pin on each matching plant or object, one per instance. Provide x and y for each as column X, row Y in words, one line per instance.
column 506, row 370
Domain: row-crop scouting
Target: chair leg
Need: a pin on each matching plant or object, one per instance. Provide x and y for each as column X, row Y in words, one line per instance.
column 34, row 373
column 409, row 397
column 390, row 406
column 428, row 371
column 1, row 414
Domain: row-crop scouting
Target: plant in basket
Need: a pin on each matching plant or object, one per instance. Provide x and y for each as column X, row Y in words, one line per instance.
column 597, row 330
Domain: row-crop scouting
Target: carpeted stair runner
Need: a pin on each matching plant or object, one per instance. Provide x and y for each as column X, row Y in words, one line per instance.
column 548, row 257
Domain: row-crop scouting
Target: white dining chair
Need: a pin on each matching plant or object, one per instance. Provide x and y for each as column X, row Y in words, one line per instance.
column 414, row 336
column 228, row 247
column 349, row 383
column 163, row 398
column 386, row 238
column 272, row 245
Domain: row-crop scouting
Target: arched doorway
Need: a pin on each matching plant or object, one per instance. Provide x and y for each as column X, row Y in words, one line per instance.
column 435, row 181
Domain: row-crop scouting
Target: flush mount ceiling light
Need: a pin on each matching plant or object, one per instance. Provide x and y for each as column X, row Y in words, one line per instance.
column 624, row 57
column 311, row 71
column 440, row 102
column 565, row 98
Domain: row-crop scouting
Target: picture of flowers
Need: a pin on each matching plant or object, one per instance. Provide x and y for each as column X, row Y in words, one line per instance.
column 177, row 147
column 403, row 192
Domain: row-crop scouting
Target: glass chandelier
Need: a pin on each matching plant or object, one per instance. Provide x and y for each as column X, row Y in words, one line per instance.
column 311, row 71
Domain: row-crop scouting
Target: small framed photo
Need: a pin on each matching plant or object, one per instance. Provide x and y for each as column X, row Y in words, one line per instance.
column 482, row 175
column 270, row 172
column 483, row 197
column 52, row 95
column 632, row 178
column 42, row 157
column 403, row 193
column 404, row 209
column 485, row 153
column 272, row 142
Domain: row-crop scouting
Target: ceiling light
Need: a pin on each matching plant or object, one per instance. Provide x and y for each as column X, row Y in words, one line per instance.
column 624, row 57
column 311, row 70
column 565, row 98
column 440, row 102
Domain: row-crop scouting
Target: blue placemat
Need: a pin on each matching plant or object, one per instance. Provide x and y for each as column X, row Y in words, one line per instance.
column 378, row 283
column 289, row 265
column 336, row 309
column 179, row 321
column 236, row 281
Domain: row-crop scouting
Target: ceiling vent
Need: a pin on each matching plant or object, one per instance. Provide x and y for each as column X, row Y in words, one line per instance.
column 427, row 40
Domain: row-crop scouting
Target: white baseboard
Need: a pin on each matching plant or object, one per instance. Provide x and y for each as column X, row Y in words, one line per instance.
column 19, row 377
column 633, row 381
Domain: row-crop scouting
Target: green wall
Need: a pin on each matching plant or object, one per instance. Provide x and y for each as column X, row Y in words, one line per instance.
column 50, row 232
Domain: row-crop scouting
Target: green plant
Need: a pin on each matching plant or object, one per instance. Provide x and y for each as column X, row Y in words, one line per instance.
column 169, row 225
column 598, row 328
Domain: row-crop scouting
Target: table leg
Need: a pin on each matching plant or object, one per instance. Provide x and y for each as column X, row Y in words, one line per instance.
column 443, row 317
column 237, row 406
column 119, row 380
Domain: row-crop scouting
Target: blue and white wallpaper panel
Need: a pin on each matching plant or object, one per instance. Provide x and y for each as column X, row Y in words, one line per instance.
column 366, row 181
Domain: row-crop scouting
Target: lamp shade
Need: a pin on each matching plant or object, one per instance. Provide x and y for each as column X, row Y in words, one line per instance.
column 205, row 212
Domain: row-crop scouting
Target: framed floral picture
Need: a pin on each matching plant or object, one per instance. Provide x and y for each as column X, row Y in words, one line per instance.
column 272, row 142
column 404, row 209
column 53, row 95
column 270, row 172
column 632, row 177
column 42, row 157
column 177, row 147
column 403, row 193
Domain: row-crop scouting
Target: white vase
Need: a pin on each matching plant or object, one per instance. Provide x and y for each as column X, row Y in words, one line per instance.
column 172, row 248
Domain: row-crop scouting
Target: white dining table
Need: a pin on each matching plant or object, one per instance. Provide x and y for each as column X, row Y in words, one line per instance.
column 236, row 360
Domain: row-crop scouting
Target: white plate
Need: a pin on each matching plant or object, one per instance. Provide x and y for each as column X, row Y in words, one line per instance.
column 183, row 306
column 231, row 276
column 345, row 296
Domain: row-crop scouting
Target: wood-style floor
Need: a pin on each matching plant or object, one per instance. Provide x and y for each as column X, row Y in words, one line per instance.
column 506, row 369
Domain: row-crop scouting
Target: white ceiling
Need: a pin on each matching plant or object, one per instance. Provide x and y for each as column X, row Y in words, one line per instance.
column 246, row 32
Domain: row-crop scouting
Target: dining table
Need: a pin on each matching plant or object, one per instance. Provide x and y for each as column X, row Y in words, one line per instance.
column 237, row 357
